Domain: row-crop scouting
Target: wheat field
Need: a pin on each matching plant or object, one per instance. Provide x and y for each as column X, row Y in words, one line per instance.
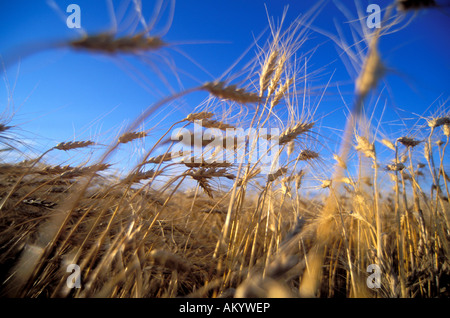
column 254, row 206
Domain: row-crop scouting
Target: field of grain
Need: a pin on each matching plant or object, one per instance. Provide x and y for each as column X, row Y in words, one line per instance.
column 261, row 213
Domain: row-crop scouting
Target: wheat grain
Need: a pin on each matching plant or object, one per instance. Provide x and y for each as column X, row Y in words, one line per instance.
column 208, row 123
column 395, row 166
column 446, row 130
column 231, row 92
column 129, row 136
column 274, row 82
column 371, row 71
column 326, row 184
column 139, row 176
column 108, row 43
column 339, row 161
column 164, row 157
column 267, row 71
column 367, row 148
column 273, row 176
column 307, row 155
column 191, row 164
column 437, row 122
column 388, row 144
column 80, row 171
column 408, row 142
column 199, row 116
column 291, row 133
column 73, row 145
column 280, row 93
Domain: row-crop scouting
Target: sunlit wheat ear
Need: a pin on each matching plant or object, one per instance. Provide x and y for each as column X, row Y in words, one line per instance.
column 306, row 155
column 290, row 148
column 73, row 145
column 446, row 130
column 280, row 92
column 108, row 43
column 371, row 71
column 408, row 142
column 239, row 95
column 326, row 184
column 437, row 122
column 403, row 158
column 274, row 82
column 199, row 116
column 291, row 133
column 388, row 144
column 363, row 145
column 129, row 136
column 341, row 163
column 405, row 5
column 267, row 71
column 347, row 180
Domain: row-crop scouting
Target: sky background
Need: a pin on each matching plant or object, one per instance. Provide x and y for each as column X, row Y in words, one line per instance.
column 61, row 95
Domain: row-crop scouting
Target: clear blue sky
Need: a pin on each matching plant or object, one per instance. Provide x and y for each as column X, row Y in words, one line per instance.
column 64, row 95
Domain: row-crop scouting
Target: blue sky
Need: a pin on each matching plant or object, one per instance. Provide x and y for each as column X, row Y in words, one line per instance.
column 62, row 95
